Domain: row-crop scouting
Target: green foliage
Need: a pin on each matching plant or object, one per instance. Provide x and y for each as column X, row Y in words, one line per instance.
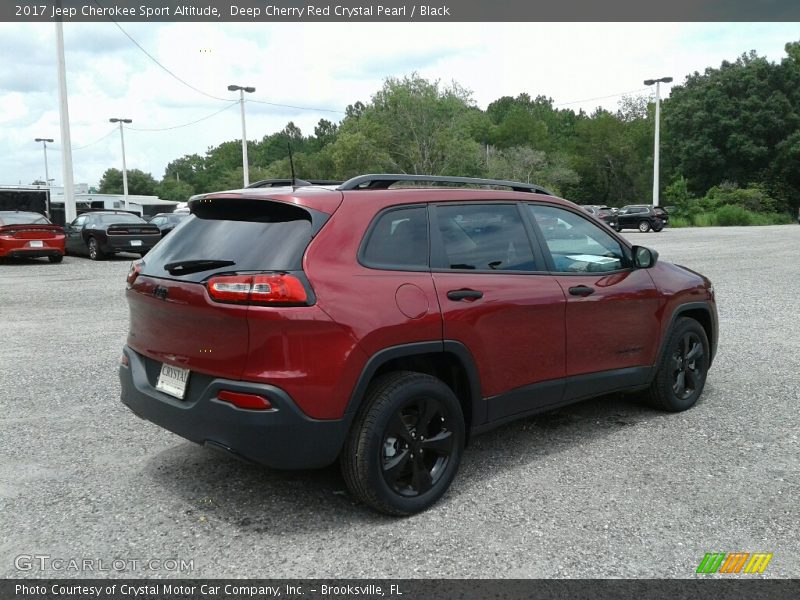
column 174, row 189
column 139, row 182
column 731, row 214
column 738, row 123
column 754, row 198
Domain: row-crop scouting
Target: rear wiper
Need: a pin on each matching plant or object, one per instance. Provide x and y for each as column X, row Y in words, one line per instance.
column 184, row 267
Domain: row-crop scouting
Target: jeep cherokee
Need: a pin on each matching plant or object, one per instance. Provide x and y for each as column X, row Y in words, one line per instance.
column 383, row 325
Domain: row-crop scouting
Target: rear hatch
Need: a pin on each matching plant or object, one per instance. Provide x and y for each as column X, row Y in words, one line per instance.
column 189, row 297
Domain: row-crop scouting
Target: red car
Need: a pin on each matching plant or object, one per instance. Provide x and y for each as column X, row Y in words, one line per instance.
column 385, row 327
column 30, row 235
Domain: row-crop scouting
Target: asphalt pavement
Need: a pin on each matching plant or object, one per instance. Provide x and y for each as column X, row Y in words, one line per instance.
column 606, row 488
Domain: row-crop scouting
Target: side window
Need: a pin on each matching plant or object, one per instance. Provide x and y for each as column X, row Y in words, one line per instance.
column 78, row 223
column 398, row 240
column 158, row 221
column 577, row 245
column 484, row 237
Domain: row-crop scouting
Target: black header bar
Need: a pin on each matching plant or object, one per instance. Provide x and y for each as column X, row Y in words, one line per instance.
column 266, row 11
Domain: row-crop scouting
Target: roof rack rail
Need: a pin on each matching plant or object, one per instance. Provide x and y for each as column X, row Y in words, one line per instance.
column 384, row 181
column 289, row 182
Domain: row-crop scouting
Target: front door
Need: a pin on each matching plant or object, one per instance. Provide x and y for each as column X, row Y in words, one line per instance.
column 612, row 324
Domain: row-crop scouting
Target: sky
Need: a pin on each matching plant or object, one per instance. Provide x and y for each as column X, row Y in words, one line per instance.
column 319, row 67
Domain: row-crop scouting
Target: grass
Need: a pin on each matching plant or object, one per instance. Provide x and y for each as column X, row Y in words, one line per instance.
column 730, row 215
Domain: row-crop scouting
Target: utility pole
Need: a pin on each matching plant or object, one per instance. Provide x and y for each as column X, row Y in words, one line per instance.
column 70, row 211
column 245, row 164
column 124, row 167
column 658, row 83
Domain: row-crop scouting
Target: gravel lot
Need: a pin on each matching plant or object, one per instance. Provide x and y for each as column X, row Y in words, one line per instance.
column 606, row 488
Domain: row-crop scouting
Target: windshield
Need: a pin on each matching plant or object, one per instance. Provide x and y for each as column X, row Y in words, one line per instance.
column 23, row 218
column 118, row 218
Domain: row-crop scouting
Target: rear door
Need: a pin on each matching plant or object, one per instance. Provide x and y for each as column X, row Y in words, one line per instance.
column 497, row 299
column 173, row 318
column 612, row 310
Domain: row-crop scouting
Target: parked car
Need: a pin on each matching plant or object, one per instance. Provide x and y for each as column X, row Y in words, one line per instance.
column 99, row 234
column 166, row 222
column 605, row 213
column 30, row 235
column 387, row 326
column 642, row 217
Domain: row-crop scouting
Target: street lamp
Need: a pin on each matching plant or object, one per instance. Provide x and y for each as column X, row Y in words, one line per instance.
column 124, row 168
column 245, row 167
column 46, row 172
column 658, row 83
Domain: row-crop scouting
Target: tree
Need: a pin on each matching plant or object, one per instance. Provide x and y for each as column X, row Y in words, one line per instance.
column 139, row 182
column 730, row 123
column 421, row 126
column 174, row 189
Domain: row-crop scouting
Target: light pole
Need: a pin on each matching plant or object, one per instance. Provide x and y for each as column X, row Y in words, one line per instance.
column 245, row 166
column 46, row 172
column 658, row 83
column 124, row 168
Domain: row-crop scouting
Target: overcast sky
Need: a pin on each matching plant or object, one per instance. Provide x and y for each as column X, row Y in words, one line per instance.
column 314, row 65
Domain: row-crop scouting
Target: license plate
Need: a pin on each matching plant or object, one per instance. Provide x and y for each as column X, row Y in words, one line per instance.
column 172, row 380
column 36, row 244
column 136, row 242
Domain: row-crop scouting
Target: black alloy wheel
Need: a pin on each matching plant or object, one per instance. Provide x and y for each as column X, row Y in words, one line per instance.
column 417, row 447
column 682, row 368
column 94, row 249
column 687, row 360
column 405, row 444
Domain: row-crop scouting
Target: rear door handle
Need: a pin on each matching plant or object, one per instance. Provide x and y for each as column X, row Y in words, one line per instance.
column 581, row 290
column 464, row 295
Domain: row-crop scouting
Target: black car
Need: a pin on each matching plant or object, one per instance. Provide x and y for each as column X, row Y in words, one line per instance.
column 605, row 213
column 99, row 234
column 642, row 217
column 166, row 222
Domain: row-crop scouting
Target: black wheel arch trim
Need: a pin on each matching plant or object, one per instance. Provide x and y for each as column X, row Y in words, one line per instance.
column 452, row 347
column 681, row 310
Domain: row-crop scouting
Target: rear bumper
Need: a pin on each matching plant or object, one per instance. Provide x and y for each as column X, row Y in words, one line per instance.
column 281, row 438
column 122, row 243
column 30, row 252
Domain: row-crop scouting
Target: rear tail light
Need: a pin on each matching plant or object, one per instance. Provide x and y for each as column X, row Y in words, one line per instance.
column 133, row 273
column 248, row 401
column 258, row 289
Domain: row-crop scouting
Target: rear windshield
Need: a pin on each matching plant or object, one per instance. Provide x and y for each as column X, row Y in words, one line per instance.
column 255, row 235
column 117, row 218
column 23, row 218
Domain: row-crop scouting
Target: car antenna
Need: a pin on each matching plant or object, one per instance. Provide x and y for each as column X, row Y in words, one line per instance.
column 291, row 164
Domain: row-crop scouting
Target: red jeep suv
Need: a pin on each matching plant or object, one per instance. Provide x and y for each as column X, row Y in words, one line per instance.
column 385, row 325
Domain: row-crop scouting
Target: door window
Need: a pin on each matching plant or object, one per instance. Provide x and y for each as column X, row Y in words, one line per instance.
column 575, row 244
column 483, row 237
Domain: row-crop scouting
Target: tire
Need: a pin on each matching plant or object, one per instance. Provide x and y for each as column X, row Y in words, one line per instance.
column 644, row 226
column 57, row 258
column 617, row 228
column 682, row 369
column 658, row 228
column 94, row 249
column 378, row 460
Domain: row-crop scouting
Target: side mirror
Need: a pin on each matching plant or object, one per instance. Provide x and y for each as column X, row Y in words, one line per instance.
column 644, row 258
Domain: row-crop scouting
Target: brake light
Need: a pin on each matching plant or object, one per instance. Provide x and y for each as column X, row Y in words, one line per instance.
column 249, row 401
column 258, row 289
column 133, row 273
